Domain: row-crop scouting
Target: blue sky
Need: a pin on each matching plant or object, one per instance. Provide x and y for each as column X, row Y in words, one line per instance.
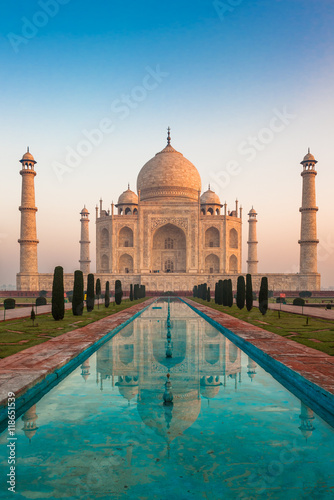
column 224, row 78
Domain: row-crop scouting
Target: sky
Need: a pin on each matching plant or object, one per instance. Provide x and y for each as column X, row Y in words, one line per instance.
column 91, row 87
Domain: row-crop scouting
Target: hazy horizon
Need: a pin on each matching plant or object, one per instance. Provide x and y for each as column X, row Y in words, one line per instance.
column 246, row 90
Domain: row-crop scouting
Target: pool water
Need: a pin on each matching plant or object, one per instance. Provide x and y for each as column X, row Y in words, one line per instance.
column 218, row 427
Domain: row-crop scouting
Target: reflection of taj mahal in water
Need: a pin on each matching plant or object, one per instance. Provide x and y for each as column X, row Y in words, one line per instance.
column 203, row 362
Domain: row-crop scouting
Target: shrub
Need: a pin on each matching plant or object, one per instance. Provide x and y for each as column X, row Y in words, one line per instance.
column 241, row 292
column 43, row 293
column 131, row 292
column 78, row 294
column 9, row 304
column 118, row 292
column 263, row 296
column 305, row 294
column 298, row 301
column 90, row 293
column 208, row 294
column 220, row 290
column 136, row 292
column 249, row 292
column 58, row 307
column 107, row 295
column 41, row 301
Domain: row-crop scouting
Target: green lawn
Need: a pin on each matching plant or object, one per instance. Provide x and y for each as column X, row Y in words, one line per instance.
column 318, row 334
column 19, row 334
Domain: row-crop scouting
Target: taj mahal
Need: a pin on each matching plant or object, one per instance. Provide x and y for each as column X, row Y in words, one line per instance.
column 169, row 235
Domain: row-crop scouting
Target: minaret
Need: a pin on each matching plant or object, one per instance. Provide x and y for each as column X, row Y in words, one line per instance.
column 29, row 419
column 308, row 236
column 252, row 243
column 84, row 242
column 28, row 237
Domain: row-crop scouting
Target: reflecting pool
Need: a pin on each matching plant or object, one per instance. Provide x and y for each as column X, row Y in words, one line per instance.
column 217, row 427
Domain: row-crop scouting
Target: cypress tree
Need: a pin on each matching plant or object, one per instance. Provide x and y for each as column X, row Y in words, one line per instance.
column 78, row 294
column 220, row 290
column 263, row 296
column 208, row 294
column 229, row 291
column 32, row 316
column 135, row 291
column 107, row 295
column 216, row 293
column 98, row 291
column 58, row 307
column 204, row 291
column 195, row 291
column 144, row 291
column 249, row 292
column 90, row 293
column 118, row 292
column 241, row 292
column 225, row 299
column 131, row 292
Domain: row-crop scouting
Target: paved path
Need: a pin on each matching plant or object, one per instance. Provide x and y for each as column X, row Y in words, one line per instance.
column 315, row 366
column 24, row 312
column 314, row 312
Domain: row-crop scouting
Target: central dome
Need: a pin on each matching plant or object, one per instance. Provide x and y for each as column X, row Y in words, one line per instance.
column 168, row 174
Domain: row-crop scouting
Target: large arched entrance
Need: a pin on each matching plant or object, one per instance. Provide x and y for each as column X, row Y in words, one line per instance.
column 169, row 250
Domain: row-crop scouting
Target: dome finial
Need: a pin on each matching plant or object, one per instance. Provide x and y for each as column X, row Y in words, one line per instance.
column 209, row 187
column 28, row 150
column 168, row 137
column 128, row 185
column 309, row 150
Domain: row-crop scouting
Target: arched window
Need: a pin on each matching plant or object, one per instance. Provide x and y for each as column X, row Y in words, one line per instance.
column 128, row 211
column 104, row 238
column 169, row 243
column 210, row 211
column 135, row 211
column 105, row 263
column 212, row 237
column 169, row 266
column 233, row 239
column 203, row 211
column 233, row 264
column 125, row 237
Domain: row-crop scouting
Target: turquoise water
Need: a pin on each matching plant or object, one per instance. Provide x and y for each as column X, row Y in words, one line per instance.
column 232, row 431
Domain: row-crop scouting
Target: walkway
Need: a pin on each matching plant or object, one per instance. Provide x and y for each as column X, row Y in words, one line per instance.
column 313, row 312
column 24, row 312
column 23, row 370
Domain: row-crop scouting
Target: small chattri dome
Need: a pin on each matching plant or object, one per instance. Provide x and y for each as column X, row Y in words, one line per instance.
column 252, row 211
column 128, row 197
column 84, row 210
column 309, row 157
column 28, row 157
column 210, row 198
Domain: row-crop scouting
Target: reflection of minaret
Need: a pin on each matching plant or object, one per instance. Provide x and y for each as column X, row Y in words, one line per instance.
column 252, row 243
column 251, row 368
column 306, row 416
column 85, row 369
column 84, row 241
column 29, row 419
